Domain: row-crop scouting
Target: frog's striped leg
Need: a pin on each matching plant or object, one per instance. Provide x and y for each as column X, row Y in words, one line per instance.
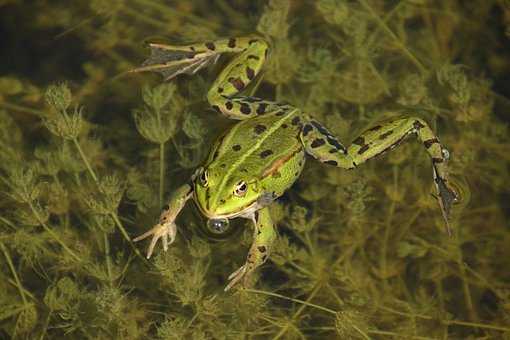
column 235, row 77
column 323, row 146
column 166, row 226
column 223, row 96
column 172, row 60
column 264, row 235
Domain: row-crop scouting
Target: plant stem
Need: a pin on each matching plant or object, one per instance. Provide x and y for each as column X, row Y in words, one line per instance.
column 393, row 36
column 112, row 214
column 161, row 172
column 303, row 305
column 45, row 326
column 86, row 161
column 478, row 325
column 52, row 233
column 465, row 285
column 20, row 108
column 108, row 259
column 124, row 233
column 13, row 270
column 325, row 309
column 384, row 248
column 162, row 8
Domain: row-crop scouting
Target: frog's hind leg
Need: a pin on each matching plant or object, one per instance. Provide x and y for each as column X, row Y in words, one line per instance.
column 323, row 146
column 264, row 234
column 235, row 77
column 171, row 61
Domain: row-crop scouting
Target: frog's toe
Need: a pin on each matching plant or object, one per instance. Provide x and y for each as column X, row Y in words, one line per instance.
column 447, row 196
column 171, row 61
column 236, row 276
column 162, row 231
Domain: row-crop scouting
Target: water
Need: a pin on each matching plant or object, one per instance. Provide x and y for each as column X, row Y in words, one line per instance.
column 90, row 154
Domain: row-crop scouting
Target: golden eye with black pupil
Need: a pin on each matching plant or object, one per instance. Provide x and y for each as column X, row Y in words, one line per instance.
column 240, row 189
column 203, row 178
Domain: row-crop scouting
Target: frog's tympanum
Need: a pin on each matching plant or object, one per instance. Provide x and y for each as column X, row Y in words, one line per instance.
column 261, row 156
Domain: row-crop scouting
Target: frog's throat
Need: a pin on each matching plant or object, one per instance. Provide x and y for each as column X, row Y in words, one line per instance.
column 246, row 211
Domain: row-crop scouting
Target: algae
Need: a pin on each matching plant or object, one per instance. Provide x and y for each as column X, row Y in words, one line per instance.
column 88, row 155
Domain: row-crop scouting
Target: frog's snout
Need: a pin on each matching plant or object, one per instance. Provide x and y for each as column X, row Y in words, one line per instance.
column 218, row 225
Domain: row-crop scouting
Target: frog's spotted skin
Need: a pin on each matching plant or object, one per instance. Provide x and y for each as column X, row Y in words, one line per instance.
column 260, row 157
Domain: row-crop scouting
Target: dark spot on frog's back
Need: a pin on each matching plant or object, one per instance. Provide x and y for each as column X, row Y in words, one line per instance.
column 261, row 109
column 307, row 129
column 210, row 46
column 262, row 249
column 363, row 149
column 245, row 109
column 266, row 153
column 296, row 120
column 317, row 142
column 385, row 135
column 231, row 43
column 250, row 73
column 236, row 147
column 359, row 141
column 259, row 128
column 237, row 83
column 229, row 105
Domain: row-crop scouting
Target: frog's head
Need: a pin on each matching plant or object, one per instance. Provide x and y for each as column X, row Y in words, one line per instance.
column 222, row 195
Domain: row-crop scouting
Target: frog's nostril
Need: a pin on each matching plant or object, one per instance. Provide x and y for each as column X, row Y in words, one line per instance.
column 218, row 226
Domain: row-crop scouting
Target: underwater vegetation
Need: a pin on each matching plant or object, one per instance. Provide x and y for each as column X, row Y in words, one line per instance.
column 89, row 154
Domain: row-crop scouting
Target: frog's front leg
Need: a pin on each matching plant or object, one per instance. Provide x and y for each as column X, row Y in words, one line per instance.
column 264, row 234
column 166, row 227
column 323, row 146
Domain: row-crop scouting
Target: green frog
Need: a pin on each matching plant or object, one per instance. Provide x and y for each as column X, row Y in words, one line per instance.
column 261, row 156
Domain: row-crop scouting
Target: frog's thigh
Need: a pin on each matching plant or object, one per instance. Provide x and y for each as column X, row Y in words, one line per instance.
column 263, row 237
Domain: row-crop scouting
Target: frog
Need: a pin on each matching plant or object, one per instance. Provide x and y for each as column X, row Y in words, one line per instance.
column 254, row 162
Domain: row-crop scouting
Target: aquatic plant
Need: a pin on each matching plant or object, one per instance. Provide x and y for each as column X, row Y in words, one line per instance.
column 89, row 154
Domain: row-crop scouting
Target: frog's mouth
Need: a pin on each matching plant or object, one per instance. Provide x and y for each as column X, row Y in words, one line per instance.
column 246, row 211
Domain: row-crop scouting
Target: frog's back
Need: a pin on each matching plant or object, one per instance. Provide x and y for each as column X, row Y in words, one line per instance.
column 254, row 144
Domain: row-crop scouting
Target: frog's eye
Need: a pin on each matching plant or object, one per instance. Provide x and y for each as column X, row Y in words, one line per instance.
column 203, row 178
column 240, row 189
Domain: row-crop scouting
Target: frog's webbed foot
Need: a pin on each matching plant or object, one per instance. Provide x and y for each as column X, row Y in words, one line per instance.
column 166, row 227
column 161, row 231
column 238, row 275
column 171, row 61
column 446, row 197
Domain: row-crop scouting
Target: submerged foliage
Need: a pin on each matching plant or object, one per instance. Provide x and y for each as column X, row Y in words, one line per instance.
column 88, row 155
